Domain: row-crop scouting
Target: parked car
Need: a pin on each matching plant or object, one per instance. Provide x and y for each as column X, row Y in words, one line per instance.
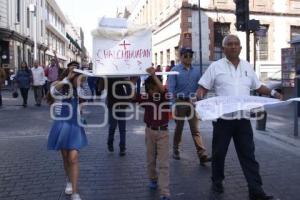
column 274, row 82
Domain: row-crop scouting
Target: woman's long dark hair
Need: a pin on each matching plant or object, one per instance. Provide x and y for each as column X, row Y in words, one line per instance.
column 26, row 66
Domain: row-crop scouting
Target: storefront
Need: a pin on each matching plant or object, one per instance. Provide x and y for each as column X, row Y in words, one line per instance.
column 15, row 48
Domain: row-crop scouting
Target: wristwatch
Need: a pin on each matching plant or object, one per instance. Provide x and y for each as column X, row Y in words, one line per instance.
column 273, row 93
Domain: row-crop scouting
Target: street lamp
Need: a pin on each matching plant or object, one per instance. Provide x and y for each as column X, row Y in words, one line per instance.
column 32, row 9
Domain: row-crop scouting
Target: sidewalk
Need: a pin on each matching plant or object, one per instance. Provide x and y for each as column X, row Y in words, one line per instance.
column 28, row 171
column 280, row 127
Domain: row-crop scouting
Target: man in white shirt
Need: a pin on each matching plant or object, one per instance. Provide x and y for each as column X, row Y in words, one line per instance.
column 38, row 76
column 232, row 76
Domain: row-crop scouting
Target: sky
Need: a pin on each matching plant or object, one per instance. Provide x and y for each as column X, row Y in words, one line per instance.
column 86, row 13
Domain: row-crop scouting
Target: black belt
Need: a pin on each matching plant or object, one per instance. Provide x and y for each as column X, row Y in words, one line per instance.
column 158, row 128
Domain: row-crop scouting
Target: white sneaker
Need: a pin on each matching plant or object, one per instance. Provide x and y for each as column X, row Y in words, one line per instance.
column 69, row 188
column 75, row 196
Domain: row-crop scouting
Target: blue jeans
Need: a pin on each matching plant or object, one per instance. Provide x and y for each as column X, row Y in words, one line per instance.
column 92, row 82
column 113, row 123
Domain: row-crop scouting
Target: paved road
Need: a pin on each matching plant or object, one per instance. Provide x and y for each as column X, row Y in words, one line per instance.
column 28, row 171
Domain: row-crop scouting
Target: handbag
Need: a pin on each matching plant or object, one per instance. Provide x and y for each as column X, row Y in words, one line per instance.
column 15, row 94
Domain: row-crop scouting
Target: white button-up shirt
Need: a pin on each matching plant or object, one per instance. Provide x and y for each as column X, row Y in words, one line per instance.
column 38, row 76
column 228, row 80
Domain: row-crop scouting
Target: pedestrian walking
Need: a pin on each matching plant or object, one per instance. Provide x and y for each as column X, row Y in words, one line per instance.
column 116, row 101
column 53, row 71
column 45, row 86
column 232, row 76
column 24, row 80
column 92, row 83
column 169, row 68
column 2, row 81
column 183, row 87
column 138, row 85
column 66, row 135
column 156, row 132
column 38, row 77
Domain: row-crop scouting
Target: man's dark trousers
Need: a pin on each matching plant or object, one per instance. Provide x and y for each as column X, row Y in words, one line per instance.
column 242, row 134
column 113, row 123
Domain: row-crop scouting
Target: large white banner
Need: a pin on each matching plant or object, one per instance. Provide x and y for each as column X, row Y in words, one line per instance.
column 121, row 50
column 215, row 107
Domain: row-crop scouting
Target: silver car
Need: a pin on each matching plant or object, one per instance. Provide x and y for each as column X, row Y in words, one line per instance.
column 274, row 82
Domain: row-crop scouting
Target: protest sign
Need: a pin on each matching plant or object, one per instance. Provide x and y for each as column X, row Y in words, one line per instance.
column 120, row 49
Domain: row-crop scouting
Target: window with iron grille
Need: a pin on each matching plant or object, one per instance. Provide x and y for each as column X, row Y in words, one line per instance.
column 168, row 57
column 220, row 31
column 161, row 58
column 263, row 45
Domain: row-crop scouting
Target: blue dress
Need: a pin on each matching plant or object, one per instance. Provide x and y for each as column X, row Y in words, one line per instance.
column 66, row 134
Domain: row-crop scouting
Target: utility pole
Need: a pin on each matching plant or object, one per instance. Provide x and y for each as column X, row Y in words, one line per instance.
column 200, row 39
column 244, row 24
column 242, row 18
column 248, row 45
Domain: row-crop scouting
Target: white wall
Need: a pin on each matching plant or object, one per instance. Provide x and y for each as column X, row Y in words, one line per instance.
column 166, row 37
column 280, row 6
column 3, row 13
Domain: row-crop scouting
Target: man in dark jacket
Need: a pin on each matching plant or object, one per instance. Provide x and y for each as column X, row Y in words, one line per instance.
column 117, row 89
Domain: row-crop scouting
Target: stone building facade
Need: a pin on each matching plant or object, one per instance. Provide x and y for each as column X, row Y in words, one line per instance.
column 17, row 27
column 176, row 24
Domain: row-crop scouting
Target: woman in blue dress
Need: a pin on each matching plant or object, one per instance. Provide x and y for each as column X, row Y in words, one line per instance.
column 66, row 134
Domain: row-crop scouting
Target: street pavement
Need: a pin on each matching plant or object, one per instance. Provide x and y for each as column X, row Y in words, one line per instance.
column 28, row 171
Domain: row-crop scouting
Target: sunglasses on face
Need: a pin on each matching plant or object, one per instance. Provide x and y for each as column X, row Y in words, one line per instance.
column 188, row 55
